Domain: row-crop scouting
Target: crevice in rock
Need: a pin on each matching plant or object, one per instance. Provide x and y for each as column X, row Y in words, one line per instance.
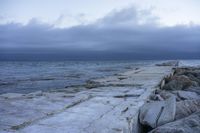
column 101, row 116
column 126, row 96
column 145, row 128
column 162, row 108
column 98, row 85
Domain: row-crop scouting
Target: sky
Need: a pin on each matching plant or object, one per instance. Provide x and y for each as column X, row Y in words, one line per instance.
column 99, row 29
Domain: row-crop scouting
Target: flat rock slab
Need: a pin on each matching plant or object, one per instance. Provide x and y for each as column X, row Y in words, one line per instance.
column 111, row 108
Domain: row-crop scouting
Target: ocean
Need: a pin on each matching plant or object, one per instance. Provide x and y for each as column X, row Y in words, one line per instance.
column 31, row 76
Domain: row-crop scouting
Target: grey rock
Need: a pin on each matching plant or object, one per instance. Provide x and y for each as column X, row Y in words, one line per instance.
column 192, row 73
column 194, row 89
column 11, row 95
column 168, row 113
column 186, row 70
column 186, row 108
column 158, row 113
column 193, row 78
column 169, row 63
column 156, row 97
column 149, row 113
column 166, row 94
column 190, row 124
column 179, row 83
column 92, row 84
column 187, row 95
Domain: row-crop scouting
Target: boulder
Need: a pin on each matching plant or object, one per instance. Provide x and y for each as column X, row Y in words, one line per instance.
column 180, row 71
column 179, row 83
column 168, row 113
column 190, row 124
column 157, row 113
column 149, row 113
column 192, row 73
column 187, row 95
column 166, row 94
column 186, row 108
column 156, row 97
column 193, row 78
column 92, row 84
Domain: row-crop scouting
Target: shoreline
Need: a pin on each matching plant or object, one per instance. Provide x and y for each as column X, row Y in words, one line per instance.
column 103, row 105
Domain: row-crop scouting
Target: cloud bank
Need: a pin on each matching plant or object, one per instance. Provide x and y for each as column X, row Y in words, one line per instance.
column 124, row 34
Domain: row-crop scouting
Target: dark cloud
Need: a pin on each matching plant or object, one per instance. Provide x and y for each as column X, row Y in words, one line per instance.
column 125, row 34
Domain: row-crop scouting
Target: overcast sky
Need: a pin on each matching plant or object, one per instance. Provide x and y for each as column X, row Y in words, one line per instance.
column 138, row 29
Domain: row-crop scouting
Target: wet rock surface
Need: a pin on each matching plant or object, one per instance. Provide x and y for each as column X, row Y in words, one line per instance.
column 184, row 117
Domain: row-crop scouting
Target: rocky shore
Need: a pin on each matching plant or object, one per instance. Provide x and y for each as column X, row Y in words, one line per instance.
column 175, row 107
column 156, row 99
column 105, row 105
